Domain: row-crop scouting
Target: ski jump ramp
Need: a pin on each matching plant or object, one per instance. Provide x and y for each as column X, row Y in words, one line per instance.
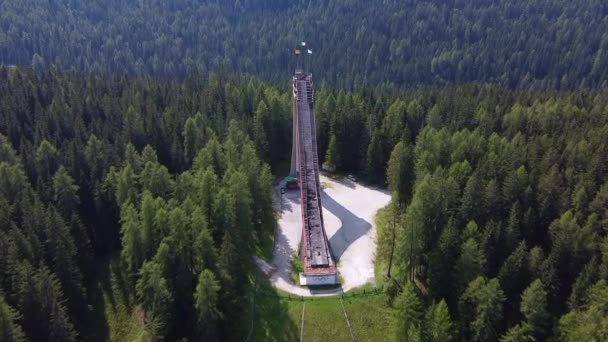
column 319, row 265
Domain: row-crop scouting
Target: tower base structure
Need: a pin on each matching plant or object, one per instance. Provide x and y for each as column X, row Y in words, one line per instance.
column 318, row 279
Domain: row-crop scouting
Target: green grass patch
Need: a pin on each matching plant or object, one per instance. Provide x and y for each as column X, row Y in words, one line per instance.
column 273, row 315
column 264, row 245
column 324, row 319
column 369, row 318
column 326, row 185
column 384, row 225
column 297, row 266
column 279, row 318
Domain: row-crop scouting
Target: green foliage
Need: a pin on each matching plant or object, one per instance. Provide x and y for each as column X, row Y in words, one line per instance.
column 65, row 192
column 401, row 43
column 481, row 307
column 491, row 183
column 153, row 291
column 297, row 266
column 46, row 159
column 470, row 263
column 206, row 302
column 439, row 323
column 195, row 136
column 374, row 167
column 513, row 274
column 133, row 252
column 590, row 323
column 41, row 304
column 332, row 158
column 534, row 309
column 520, row 332
column 409, row 314
column 10, row 331
column 400, row 173
column 260, row 127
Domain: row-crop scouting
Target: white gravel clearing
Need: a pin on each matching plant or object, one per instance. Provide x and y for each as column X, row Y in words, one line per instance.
column 348, row 212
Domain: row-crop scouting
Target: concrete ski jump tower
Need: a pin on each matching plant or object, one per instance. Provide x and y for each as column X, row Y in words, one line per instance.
column 319, row 265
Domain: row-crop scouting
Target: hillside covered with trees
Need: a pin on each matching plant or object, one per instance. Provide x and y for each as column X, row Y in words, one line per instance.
column 498, row 213
column 140, row 142
column 501, row 211
column 163, row 192
column 540, row 44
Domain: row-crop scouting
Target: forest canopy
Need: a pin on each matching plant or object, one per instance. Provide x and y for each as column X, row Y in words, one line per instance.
column 141, row 143
column 498, row 211
column 540, row 44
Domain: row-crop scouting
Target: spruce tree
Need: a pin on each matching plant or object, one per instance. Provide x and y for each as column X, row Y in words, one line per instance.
column 10, row 330
column 206, row 300
column 332, row 158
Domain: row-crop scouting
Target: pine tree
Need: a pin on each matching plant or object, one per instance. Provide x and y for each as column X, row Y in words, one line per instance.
column 374, row 161
column 481, row 309
column 400, row 172
column 332, row 158
column 518, row 333
column 153, row 292
column 62, row 257
column 132, row 158
column 65, row 192
column 442, row 278
column 206, row 300
column 438, row 323
column 471, row 202
column 470, row 263
column 156, row 179
column 204, row 251
column 409, row 313
column 211, row 156
column 534, row 309
column 95, row 154
column 7, row 153
column 133, row 242
column 393, row 124
column 148, row 154
column 261, row 129
column 192, row 139
column 149, row 233
column 10, row 330
column 206, row 185
column 41, row 304
column 513, row 274
column 47, row 160
column 590, row 323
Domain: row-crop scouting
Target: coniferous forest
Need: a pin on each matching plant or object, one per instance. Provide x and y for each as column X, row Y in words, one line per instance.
column 140, row 143
column 542, row 44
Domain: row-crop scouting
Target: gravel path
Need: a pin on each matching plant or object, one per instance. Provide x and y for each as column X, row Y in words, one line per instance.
column 348, row 212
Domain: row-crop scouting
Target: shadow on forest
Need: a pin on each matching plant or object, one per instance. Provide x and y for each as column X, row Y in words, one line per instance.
column 272, row 321
column 96, row 321
column 108, row 292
